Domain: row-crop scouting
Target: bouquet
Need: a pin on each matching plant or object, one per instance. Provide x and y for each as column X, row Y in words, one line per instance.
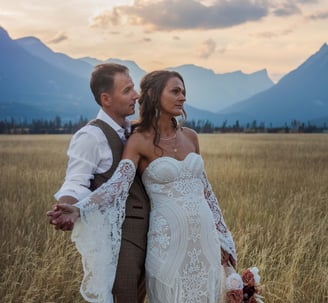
column 244, row 288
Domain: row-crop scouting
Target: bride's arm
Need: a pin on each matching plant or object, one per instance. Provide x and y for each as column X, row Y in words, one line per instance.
column 63, row 216
column 115, row 189
column 98, row 233
column 226, row 240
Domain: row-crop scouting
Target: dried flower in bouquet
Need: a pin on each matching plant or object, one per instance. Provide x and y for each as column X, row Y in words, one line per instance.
column 245, row 288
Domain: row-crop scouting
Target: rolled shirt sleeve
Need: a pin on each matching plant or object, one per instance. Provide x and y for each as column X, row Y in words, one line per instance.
column 88, row 154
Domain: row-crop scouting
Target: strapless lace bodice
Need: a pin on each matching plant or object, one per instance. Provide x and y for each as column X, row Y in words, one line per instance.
column 166, row 169
column 168, row 177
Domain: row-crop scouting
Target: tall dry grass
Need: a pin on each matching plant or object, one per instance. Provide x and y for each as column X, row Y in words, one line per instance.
column 273, row 190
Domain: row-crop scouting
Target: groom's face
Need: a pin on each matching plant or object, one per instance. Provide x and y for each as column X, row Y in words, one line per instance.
column 122, row 99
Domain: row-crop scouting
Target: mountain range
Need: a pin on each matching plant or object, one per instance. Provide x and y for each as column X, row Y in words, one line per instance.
column 301, row 95
column 38, row 83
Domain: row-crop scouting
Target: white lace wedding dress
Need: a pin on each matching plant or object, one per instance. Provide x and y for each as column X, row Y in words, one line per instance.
column 186, row 233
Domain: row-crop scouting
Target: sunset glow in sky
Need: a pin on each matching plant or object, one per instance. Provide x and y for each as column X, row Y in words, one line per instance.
column 222, row 35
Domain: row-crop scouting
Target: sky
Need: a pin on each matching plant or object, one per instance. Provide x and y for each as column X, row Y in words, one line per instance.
column 221, row 35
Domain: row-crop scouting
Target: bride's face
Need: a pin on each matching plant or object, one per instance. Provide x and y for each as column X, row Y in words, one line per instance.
column 173, row 97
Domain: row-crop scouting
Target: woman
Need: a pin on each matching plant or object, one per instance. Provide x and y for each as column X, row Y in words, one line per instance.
column 187, row 232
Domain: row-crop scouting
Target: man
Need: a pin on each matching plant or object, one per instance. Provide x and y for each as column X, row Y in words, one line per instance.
column 94, row 153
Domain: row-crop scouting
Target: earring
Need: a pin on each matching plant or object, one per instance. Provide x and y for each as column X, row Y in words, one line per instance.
column 156, row 113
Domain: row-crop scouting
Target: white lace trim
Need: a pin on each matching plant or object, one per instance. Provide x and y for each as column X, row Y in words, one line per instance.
column 97, row 234
column 225, row 236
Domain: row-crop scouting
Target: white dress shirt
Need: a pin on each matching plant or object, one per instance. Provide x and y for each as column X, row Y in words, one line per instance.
column 89, row 154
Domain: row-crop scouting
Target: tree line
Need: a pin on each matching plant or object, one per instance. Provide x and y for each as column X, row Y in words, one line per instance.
column 57, row 126
column 294, row 126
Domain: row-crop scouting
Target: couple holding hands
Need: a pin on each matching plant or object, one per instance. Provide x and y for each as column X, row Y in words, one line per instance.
column 142, row 212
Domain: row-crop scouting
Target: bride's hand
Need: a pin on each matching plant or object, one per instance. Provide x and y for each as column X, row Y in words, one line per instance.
column 227, row 259
column 63, row 216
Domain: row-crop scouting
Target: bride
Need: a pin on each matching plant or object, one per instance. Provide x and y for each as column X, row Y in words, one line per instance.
column 188, row 240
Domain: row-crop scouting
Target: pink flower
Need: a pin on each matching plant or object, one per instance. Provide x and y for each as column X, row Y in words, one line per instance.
column 234, row 281
column 245, row 288
column 248, row 278
column 235, row 296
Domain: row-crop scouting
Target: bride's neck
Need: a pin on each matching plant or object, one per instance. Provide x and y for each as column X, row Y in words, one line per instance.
column 167, row 128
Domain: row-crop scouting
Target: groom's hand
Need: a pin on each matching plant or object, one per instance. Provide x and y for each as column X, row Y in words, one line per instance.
column 63, row 216
column 53, row 214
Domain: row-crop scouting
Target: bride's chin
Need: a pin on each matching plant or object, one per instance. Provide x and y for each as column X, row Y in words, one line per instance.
column 179, row 112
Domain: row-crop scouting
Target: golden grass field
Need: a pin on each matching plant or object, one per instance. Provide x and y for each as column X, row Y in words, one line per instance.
column 273, row 191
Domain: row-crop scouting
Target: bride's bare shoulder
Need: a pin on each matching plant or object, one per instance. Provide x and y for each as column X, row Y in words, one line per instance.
column 190, row 133
column 141, row 135
column 191, row 136
column 141, row 140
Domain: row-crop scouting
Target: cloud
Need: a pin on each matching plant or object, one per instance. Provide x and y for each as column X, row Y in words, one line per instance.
column 184, row 14
column 58, row 38
column 106, row 18
column 308, row 1
column 286, row 9
column 207, row 48
column 319, row 16
column 269, row 35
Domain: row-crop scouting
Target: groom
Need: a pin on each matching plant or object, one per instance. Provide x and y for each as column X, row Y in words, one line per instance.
column 94, row 153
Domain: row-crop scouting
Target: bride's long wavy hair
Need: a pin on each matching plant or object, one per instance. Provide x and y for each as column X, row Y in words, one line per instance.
column 151, row 89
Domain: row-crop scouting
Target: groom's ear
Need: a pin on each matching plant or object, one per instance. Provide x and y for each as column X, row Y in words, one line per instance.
column 106, row 99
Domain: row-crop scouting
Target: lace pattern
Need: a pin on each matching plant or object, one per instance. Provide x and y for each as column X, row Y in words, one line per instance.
column 225, row 236
column 183, row 254
column 97, row 234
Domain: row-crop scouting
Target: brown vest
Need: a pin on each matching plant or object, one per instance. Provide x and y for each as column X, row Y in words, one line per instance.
column 135, row 226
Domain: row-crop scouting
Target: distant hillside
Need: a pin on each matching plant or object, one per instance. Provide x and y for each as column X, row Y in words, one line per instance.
column 43, row 88
column 72, row 66
column 135, row 71
column 213, row 92
column 300, row 95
